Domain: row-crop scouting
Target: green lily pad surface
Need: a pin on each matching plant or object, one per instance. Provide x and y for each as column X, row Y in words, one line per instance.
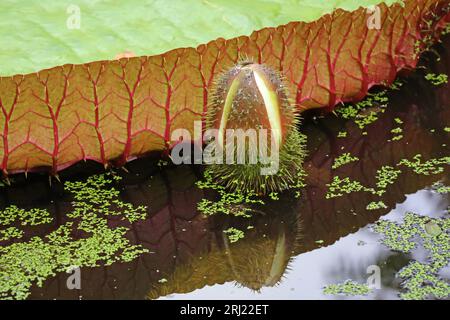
column 41, row 34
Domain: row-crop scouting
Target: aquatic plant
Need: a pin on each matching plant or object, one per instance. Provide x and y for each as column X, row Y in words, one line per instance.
column 34, row 260
column 10, row 233
column 385, row 176
column 420, row 280
column 235, row 203
column 344, row 158
column 440, row 188
column 32, row 217
column 375, row 205
column 347, row 288
column 274, row 196
column 234, row 234
column 437, row 79
column 397, row 131
column 428, row 167
column 340, row 186
column 366, row 111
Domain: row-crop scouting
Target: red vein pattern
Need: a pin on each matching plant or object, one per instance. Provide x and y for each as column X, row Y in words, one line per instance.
column 114, row 111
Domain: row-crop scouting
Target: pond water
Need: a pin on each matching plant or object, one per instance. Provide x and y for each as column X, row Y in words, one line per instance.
column 291, row 247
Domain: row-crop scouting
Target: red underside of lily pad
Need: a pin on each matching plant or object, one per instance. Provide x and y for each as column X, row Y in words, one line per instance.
column 115, row 111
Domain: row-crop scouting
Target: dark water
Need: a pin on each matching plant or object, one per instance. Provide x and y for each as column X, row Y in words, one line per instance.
column 296, row 246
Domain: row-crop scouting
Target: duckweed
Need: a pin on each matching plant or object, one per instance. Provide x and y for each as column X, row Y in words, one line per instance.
column 376, row 101
column 10, row 233
column 420, row 280
column 375, row 205
column 234, row 234
column 397, row 131
column 274, row 196
column 437, row 79
column 429, row 167
column 93, row 194
column 446, row 30
column 32, row 217
column 398, row 120
column 347, row 288
column 235, row 203
column 363, row 120
column 162, row 163
column 33, row 261
column 343, row 159
column 385, row 176
column 440, row 188
column 396, row 85
column 338, row 187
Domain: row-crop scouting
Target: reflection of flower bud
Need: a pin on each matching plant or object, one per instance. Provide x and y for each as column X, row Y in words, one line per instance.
column 250, row 103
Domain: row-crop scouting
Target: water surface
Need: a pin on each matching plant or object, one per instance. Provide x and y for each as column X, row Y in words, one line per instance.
column 295, row 246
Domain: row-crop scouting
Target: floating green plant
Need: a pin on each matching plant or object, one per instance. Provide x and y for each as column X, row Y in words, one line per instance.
column 385, row 176
column 274, row 196
column 366, row 111
column 344, row 158
column 342, row 134
column 33, row 261
column 446, row 30
column 397, row 84
column 347, row 288
column 234, row 234
column 95, row 194
column 162, row 163
column 32, row 217
column 340, row 186
column 375, row 205
column 420, row 279
column 235, row 203
column 429, row 167
column 440, row 188
column 437, row 79
column 10, row 233
column 397, row 131
column 398, row 121
column 364, row 120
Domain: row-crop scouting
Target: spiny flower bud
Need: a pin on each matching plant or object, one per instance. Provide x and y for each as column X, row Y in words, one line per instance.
column 251, row 96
